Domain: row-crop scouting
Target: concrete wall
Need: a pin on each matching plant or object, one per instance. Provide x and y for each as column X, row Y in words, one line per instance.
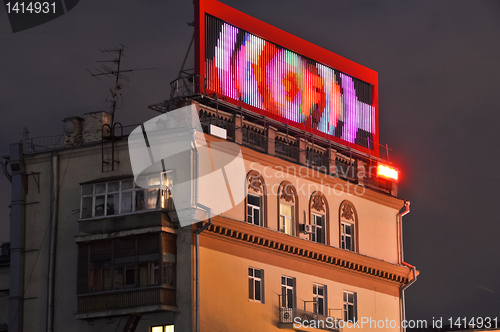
column 4, row 295
column 75, row 166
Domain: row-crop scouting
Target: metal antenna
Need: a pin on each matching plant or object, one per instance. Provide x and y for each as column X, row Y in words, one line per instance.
column 108, row 72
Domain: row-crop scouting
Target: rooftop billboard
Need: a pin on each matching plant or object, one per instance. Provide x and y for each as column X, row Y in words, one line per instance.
column 278, row 75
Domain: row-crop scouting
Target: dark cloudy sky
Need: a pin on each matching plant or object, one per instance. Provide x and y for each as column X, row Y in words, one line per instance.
column 439, row 70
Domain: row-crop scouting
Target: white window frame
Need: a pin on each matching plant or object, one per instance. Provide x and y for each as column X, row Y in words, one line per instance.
column 283, row 219
column 317, row 298
column 344, row 235
column 253, row 280
column 320, row 228
column 348, row 304
column 288, row 287
column 165, row 191
column 255, row 208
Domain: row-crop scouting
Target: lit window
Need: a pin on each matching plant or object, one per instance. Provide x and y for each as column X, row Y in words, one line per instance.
column 319, row 297
column 287, row 292
column 318, row 234
column 350, row 306
column 256, row 284
column 123, row 196
column 286, row 219
column 347, row 236
column 254, row 215
column 163, row 328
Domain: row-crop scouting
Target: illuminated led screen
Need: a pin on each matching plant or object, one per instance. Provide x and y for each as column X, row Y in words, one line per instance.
column 296, row 89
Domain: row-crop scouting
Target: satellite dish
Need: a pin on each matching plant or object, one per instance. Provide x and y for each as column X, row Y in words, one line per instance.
column 69, row 127
column 118, row 88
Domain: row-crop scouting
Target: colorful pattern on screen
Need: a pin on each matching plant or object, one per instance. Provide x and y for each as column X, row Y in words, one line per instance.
column 245, row 67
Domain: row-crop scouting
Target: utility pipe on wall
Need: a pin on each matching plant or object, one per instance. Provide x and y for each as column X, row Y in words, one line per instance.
column 53, row 241
column 197, row 245
column 403, row 304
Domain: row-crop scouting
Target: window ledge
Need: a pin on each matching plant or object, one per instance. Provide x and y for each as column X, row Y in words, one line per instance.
column 112, row 235
column 122, row 214
column 125, row 289
column 128, row 311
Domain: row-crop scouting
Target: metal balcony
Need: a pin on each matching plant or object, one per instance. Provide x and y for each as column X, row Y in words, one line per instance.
column 138, row 300
column 291, row 317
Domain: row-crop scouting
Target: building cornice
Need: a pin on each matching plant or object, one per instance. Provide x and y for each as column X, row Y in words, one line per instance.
column 270, row 240
column 310, row 174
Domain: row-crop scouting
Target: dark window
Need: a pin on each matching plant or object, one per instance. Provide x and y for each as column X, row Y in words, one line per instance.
column 256, row 284
column 318, row 234
column 319, row 297
column 254, row 210
column 348, row 236
column 287, row 292
column 350, row 306
column 132, row 261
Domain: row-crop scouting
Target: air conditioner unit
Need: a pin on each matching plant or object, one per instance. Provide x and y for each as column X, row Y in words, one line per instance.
column 309, row 229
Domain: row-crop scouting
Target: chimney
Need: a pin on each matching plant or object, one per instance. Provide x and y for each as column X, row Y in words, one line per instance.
column 93, row 126
column 73, row 127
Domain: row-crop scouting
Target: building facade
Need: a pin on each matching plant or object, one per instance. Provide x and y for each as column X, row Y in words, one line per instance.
column 304, row 245
column 315, row 243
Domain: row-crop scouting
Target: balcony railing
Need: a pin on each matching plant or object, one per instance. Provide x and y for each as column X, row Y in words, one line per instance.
column 289, row 316
column 254, row 140
column 128, row 298
column 316, row 159
column 286, row 151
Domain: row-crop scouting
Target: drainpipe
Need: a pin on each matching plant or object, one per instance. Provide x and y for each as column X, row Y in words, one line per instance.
column 53, row 241
column 197, row 244
column 404, row 213
column 406, row 286
column 17, row 224
column 403, row 304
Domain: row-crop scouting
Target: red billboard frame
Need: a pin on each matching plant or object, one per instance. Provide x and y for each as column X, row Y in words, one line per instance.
column 288, row 41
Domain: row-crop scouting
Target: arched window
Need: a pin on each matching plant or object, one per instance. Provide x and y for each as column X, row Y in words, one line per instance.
column 288, row 209
column 348, row 226
column 255, row 203
column 319, row 218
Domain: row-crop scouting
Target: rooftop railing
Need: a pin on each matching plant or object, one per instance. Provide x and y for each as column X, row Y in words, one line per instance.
column 42, row 144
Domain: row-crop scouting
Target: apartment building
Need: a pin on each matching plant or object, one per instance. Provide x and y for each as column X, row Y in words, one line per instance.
column 315, row 243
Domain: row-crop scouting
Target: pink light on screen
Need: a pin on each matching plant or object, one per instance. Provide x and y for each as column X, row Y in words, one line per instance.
column 248, row 61
column 223, row 54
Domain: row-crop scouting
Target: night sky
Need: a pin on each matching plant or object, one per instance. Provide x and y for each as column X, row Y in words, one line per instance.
column 439, row 69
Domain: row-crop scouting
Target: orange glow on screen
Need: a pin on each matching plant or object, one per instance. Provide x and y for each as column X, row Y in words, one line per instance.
column 387, row 172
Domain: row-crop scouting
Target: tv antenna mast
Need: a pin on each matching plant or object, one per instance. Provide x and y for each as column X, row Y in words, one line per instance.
column 108, row 72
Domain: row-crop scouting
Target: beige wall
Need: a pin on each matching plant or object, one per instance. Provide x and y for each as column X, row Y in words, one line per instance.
column 377, row 223
column 224, row 295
